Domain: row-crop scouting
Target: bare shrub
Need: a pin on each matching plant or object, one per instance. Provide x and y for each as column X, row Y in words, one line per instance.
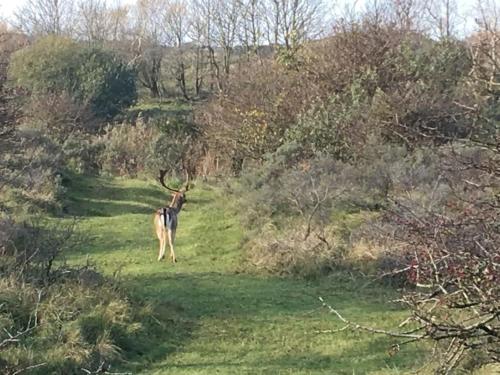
column 289, row 253
column 443, row 249
column 58, row 115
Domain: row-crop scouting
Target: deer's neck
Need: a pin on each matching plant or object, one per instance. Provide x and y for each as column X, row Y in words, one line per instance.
column 176, row 203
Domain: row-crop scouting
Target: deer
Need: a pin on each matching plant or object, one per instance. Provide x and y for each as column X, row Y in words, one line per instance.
column 166, row 218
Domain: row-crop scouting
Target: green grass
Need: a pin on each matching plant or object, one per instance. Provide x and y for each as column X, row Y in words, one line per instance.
column 211, row 315
column 154, row 109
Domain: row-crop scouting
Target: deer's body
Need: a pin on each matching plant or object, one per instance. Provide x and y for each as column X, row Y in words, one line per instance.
column 165, row 222
column 166, row 219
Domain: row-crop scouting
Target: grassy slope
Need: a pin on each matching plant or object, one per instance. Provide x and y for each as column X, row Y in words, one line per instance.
column 211, row 316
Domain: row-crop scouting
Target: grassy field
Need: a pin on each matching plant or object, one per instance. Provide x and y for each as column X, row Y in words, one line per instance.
column 209, row 313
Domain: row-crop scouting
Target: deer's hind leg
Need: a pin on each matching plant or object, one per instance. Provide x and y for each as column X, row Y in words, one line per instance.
column 160, row 233
column 171, row 239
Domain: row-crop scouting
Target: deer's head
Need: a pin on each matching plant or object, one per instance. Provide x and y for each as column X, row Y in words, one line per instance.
column 178, row 196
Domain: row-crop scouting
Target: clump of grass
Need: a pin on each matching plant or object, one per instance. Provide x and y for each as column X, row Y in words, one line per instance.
column 76, row 323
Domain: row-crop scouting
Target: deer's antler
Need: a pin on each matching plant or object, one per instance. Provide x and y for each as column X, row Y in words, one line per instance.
column 163, row 172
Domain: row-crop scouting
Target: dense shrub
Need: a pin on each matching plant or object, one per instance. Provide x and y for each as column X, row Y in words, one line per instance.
column 129, row 149
column 58, row 116
column 289, row 253
column 83, row 153
column 319, row 204
column 451, row 255
column 88, row 75
column 146, row 147
column 366, row 79
column 335, row 127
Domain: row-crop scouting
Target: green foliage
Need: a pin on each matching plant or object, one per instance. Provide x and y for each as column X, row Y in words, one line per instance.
column 90, row 75
column 49, row 65
column 129, row 149
column 305, row 210
column 105, row 81
column 155, row 136
column 333, row 127
column 417, row 105
column 83, row 154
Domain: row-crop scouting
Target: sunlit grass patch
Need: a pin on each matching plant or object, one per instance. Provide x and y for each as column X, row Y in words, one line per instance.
column 209, row 313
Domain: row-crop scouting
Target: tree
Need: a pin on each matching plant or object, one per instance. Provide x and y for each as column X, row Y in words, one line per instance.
column 226, row 20
column 443, row 17
column 201, row 33
column 45, row 17
column 252, row 30
column 291, row 22
column 177, row 25
column 151, row 39
column 94, row 21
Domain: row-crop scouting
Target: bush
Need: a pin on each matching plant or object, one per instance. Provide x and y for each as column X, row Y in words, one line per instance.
column 131, row 150
column 83, row 153
column 88, row 75
column 318, row 205
column 334, row 127
column 58, row 116
column 289, row 253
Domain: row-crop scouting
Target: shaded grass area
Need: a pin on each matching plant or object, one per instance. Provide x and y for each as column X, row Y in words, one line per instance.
column 209, row 314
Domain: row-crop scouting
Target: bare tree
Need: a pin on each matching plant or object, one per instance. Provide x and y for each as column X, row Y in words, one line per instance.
column 443, row 17
column 227, row 15
column 119, row 23
column 177, row 23
column 150, row 42
column 98, row 21
column 291, row 22
column 93, row 21
column 252, row 30
column 406, row 14
column 42, row 17
column 201, row 33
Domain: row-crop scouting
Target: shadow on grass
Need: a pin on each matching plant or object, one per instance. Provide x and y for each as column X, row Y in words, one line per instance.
column 186, row 299
column 350, row 362
column 164, row 331
column 366, row 356
column 106, row 198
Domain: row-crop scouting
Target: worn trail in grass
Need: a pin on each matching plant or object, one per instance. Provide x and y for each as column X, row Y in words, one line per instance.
column 212, row 316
